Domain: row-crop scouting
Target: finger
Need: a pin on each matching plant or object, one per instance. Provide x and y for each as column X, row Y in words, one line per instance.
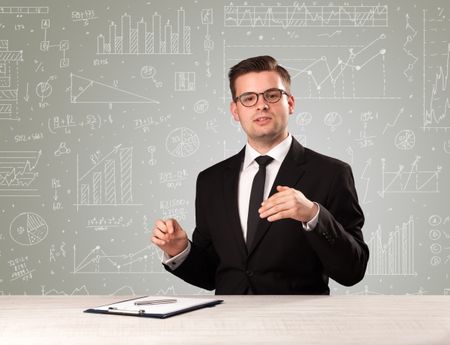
column 160, row 235
column 158, row 241
column 282, row 188
column 280, row 199
column 273, row 210
column 171, row 224
column 278, row 216
column 161, row 225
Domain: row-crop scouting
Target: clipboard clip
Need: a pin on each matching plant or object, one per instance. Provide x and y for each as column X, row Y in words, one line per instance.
column 126, row 311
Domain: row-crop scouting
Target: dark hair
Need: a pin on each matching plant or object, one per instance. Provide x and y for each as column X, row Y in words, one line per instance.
column 257, row 64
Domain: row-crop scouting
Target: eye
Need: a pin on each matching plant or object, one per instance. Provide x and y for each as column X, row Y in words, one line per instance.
column 248, row 97
column 272, row 95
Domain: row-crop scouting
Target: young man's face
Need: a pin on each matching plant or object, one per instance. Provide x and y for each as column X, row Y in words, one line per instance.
column 264, row 123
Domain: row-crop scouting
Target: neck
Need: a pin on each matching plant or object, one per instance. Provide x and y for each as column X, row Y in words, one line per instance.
column 264, row 146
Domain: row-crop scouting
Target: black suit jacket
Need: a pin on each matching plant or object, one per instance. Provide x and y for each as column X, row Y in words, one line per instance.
column 284, row 258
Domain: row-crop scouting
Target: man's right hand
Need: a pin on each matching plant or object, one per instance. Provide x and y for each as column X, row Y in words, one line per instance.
column 169, row 236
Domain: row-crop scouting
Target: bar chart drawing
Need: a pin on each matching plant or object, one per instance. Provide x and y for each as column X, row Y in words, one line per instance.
column 396, row 255
column 9, row 76
column 109, row 181
column 162, row 39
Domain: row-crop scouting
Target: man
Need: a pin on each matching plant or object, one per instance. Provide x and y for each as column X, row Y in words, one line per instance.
column 309, row 226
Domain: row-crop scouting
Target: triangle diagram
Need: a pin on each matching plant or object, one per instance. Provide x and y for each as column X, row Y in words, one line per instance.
column 84, row 90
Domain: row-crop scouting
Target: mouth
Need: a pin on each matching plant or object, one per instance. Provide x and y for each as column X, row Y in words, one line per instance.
column 262, row 119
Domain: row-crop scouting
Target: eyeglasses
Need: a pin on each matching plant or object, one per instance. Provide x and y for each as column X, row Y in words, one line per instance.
column 249, row 99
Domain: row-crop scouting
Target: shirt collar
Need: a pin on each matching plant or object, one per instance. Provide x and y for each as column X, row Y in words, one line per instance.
column 278, row 152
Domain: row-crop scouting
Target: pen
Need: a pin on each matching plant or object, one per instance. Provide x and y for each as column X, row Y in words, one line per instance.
column 155, row 301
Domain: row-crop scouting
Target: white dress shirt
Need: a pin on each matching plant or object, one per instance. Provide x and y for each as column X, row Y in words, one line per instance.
column 248, row 171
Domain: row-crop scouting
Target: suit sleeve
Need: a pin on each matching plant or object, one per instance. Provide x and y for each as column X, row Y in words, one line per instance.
column 199, row 267
column 337, row 239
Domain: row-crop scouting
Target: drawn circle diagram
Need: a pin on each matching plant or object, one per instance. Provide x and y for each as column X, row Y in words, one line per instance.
column 43, row 90
column 303, row 119
column 405, row 140
column 28, row 229
column 333, row 120
column 182, row 142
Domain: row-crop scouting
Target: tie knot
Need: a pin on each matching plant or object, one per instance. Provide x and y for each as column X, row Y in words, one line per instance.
column 263, row 160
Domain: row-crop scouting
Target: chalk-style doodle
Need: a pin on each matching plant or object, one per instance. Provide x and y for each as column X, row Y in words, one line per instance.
column 302, row 15
column 322, row 77
column 125, row 290
column 85, row 90
column 208, row 43
column 174, row 208
column 410, row 37
column 146, row 260
column 211, row 125
column 152, row 160
column 201, row 106
column 447, row 147
column 303, row 119
column 18, row 173
column 109, row 181
column 9, row 76
column 56, row 253
column 436, row 64
column 63, row 45
column 173, row 179
column 77, row 291
column 333, row 120
column 28, row 229
column 182, row 142
column 23, row 10
column 396, row 256
column 62, row 149
column 409, row 181
column 440, row 237
column 366, row 179
column 405, row 140
column 84, row 16
column 184, row 81
column 20, row 269
column 149, row 72
column 126, row 39
column 44, row 90
column 56, row 186
column 365, row 140
column 391, row 125
column 108, row 223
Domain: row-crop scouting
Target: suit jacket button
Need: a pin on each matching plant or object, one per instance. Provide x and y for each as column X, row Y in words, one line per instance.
column 249, row 273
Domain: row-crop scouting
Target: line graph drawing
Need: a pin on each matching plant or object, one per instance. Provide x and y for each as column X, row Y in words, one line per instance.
column 329, row 71
column 146, row 260
column 109, row 181
column 18, row 173
column 436, row 63
column 302, row 15
column 135, row 41
column 85, row 90
column 396, row 255
column 409, row 181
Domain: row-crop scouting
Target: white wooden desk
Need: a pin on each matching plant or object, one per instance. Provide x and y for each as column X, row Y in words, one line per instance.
column 239, row 320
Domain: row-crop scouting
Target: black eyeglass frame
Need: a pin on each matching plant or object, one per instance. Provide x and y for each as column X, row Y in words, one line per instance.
column 282, row 92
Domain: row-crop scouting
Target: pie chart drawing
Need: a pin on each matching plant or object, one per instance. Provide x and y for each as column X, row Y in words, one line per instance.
column 182, row 142
column 28, row 229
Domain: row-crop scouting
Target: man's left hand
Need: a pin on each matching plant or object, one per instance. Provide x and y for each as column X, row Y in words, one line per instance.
column 288, row 203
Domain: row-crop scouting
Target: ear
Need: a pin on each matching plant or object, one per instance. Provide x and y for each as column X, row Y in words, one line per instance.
column 234, row 111
column 291, row 104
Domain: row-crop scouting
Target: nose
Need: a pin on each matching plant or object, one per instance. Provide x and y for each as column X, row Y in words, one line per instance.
column 261, row 103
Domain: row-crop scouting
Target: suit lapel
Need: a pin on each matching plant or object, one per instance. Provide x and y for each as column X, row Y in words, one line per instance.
column 291, row 170
column 231, row 184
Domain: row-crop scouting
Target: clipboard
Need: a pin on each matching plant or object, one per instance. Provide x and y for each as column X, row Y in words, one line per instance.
column 156, row 307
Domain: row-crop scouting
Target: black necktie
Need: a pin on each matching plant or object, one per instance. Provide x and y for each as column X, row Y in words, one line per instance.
column 256, row 197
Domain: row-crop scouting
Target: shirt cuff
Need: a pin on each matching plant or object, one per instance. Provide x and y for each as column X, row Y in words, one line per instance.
column 309, row 226
column 177, row 260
